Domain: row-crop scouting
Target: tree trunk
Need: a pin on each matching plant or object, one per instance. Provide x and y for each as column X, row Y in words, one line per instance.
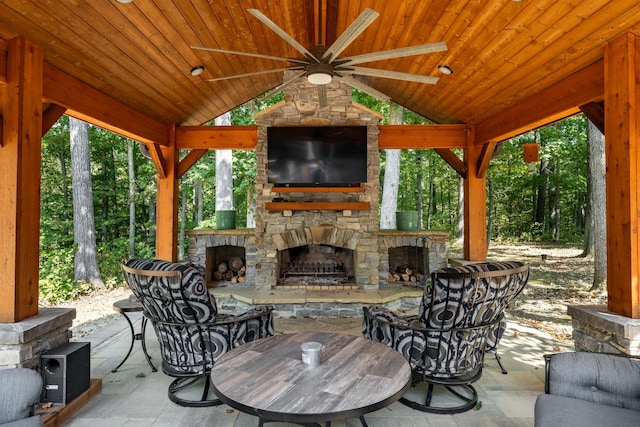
column 555, row 213
column 251, row 209
column 132, row 202
column 596, row 146
column 224, row 172
column 389, row 203
column 198, row 200
column 419, row 186
column 65, row 188
column 86, row 260
column 489, row 212
column 183, row 222
column 460, row 219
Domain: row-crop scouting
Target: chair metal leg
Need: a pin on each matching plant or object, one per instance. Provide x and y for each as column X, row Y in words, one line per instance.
column 504, row 371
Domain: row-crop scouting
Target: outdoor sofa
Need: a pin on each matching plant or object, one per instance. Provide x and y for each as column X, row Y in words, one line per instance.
column 589, row 389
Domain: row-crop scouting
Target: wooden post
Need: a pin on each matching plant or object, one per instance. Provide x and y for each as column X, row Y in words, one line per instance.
column 20, row 181
column 622, row 122
column 475, row 204
column 167, row 203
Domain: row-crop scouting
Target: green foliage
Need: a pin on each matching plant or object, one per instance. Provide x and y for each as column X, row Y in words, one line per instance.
column 56, row 277
column 513, row 189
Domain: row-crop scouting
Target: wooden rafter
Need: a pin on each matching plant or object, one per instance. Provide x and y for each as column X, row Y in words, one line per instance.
column 548, row 105
column 453, row 160
column 86, row 103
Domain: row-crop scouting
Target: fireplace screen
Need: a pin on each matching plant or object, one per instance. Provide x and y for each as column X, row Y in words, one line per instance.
column 315, row 265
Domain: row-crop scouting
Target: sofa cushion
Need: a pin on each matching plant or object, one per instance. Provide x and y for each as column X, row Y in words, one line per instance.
column 554, row 411
column 596, row 377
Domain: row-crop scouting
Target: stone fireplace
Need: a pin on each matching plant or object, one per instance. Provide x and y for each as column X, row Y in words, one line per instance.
column 319, row 238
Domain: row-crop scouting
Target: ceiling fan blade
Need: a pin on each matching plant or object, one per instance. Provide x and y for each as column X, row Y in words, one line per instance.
column 254, row 55
column 365, row 88
column 396, row 53
column 256, row 73
column 322, row 95
column 283, row 34
column 357, row 26
column 386, row 74
column 277, row 89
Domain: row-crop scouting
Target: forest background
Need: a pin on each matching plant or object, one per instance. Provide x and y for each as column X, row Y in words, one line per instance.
column 542, row 202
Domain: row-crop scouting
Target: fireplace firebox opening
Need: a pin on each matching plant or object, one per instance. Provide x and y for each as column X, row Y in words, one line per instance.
column 315, row 265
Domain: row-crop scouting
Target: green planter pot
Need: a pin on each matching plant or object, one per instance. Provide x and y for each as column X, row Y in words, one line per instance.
column 407, row 220
column 225, row 220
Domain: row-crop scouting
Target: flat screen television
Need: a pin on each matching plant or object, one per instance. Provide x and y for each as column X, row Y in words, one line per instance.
column 320, row 156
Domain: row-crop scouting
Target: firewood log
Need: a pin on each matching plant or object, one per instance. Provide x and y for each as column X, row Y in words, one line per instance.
column 235, row 263
column 223, row 267
column 228, row 275
column 242, row 279
column 391, row 278
column 234, row 279
column 242, row 271
column 405, row 277
column 217, row 275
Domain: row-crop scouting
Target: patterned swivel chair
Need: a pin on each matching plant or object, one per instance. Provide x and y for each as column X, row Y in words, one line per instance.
column 461, row 318
column 191, row 332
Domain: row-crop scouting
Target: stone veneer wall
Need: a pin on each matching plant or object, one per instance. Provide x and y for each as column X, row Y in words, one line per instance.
column 274, row 227
column 21, row 343
column 596, row 329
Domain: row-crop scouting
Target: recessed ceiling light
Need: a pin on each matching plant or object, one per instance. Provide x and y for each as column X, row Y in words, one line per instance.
column 445, row 69
column 124, row 1
column 196, row 71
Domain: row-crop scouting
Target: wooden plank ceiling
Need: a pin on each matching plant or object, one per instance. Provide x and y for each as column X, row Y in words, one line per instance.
column 140, row 53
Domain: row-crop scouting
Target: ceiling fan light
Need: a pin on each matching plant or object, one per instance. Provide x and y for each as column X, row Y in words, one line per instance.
column 319, row 73
column 445, row 69
column 196, row 71
column 319, row 78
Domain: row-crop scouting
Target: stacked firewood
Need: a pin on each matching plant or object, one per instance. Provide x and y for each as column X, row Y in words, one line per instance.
column 404, row 274
column 233, row 271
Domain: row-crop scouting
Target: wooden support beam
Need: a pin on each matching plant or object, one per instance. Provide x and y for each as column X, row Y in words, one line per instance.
column 422, row 136
column 89, row 104
column 485, row 158
column 622, row 121
column 553, row 103
column 595, row 113
column 50, row 116
column 216, row 137
column 21, row 107
column 453, row 161
column 167, row 205
column 475, row 205
column 189, row 160
column 158, row 160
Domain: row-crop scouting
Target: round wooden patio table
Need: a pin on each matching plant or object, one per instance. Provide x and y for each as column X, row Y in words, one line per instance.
column 267, row 378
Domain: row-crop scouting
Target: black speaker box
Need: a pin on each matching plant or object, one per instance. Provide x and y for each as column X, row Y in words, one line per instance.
column 66, row 372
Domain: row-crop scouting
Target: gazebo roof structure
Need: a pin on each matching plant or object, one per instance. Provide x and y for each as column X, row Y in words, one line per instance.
column 126, row 66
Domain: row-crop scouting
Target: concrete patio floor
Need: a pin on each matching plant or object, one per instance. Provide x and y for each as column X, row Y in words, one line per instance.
column 136, row 396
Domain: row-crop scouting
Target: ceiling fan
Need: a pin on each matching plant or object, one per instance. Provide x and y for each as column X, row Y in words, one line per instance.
column 320, row 64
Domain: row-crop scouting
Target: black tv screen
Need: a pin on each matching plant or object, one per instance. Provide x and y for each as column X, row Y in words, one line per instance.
column 317, row 156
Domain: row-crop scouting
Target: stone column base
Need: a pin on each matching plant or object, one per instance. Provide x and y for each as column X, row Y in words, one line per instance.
column 596, row 329
column 21, row 343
